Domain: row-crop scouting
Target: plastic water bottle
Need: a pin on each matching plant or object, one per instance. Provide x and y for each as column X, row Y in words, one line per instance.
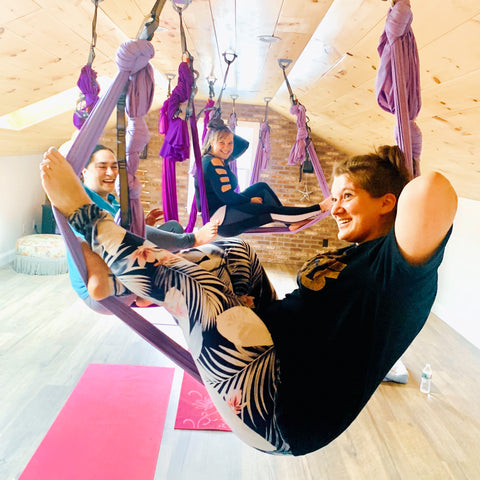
column 426, row 381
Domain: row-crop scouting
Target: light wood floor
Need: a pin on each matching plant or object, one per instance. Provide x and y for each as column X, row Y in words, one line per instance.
column 48, row 337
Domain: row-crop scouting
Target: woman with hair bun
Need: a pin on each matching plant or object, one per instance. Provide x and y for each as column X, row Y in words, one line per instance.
column 277, row 372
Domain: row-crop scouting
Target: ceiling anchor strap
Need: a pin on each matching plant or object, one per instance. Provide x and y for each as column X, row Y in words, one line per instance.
column 229, row 58
column 151, row 22
column 284, row 64
column 93, row 43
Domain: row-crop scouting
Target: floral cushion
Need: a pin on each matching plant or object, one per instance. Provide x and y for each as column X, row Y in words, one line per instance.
column 41, row 245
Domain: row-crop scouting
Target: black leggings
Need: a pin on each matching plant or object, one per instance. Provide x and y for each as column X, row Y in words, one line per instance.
column 237, row 219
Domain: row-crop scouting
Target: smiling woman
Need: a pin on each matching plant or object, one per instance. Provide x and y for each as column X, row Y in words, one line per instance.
column 256, row 205
column 364, row 194
column 101, row 171
column 259, row 357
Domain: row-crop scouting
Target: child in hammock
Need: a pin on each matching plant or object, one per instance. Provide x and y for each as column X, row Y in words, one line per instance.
column 255, row 206
column 277, row 375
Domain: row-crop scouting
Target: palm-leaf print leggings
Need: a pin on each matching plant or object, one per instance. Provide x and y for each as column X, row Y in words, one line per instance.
column 206, row 290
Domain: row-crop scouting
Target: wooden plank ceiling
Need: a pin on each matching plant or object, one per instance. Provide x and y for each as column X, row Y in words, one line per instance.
column 332, row 45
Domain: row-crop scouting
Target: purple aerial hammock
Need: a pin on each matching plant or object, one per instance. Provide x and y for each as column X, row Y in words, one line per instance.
column 302, row 146
column 176, row 144
column 87, row 81
column 132, row 56
column 262, row 155
column 398, row 81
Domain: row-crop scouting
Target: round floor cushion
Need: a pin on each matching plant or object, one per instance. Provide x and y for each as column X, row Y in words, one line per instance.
column 40, row 254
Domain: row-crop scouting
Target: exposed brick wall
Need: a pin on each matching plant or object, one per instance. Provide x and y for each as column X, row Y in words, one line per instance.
column 291, row 249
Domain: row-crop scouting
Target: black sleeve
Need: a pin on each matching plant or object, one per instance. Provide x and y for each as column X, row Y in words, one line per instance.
column 221, row 183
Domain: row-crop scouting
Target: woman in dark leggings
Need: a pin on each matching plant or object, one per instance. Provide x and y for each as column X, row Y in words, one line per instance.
column 257, row 205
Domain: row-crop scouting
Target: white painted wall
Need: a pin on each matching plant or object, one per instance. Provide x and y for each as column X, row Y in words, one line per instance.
column 458, row 299
column 21, row 199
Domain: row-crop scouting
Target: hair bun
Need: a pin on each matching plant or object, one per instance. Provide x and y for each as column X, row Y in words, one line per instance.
column 216, row 123
column 393, row 154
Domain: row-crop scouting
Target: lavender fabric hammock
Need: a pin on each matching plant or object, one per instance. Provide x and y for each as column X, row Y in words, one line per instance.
column 297, row 155
column 137, row 104
column 132, row 56
column 302, row 145
column 232, row 124
column 88, row 85
column 262, row 155
column 398, row 81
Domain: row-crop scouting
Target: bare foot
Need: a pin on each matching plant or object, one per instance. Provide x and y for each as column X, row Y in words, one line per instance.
column 143, row 302
column 60, row 183
column 247, row 300
column 99, row 283
column 295, row 226
column 206, row 234
column 326, row 205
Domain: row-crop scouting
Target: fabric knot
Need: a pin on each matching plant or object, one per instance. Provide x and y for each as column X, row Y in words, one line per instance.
column 134, row 187
column 134, row 55
column 138, row 134
column 398, row 20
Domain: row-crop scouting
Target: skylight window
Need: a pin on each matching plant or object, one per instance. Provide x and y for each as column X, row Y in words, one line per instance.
column 47, row 108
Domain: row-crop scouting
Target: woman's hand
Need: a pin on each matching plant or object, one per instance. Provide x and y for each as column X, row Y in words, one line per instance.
column 256, row 200
column 154, row 216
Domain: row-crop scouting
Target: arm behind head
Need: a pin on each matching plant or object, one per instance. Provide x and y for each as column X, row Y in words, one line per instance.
column 426, row 209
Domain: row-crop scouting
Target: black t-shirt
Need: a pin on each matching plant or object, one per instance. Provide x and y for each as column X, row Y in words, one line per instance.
column 355, row 312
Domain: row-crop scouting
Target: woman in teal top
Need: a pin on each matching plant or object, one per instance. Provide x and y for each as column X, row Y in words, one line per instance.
column 99, row 176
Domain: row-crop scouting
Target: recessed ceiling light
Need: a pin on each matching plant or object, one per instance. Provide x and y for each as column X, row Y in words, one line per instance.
column 269, row 38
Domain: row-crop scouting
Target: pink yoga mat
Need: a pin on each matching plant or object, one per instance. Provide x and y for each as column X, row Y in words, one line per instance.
column 110, row 427
column 195, row 409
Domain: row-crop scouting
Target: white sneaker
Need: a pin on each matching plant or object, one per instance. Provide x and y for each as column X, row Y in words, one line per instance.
column 398, row 373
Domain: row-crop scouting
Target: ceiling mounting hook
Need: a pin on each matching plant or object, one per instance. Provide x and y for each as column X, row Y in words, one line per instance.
column 284, row 63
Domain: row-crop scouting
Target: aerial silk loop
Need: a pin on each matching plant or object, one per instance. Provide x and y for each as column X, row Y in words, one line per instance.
column 176, row 145
column 87, row 81
column 303, row 147
column 262, row 155
column 163, row 118
column 132, row 57
column 232, row 124
column 232, row 119
column 207, row 111
column 398, row 81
